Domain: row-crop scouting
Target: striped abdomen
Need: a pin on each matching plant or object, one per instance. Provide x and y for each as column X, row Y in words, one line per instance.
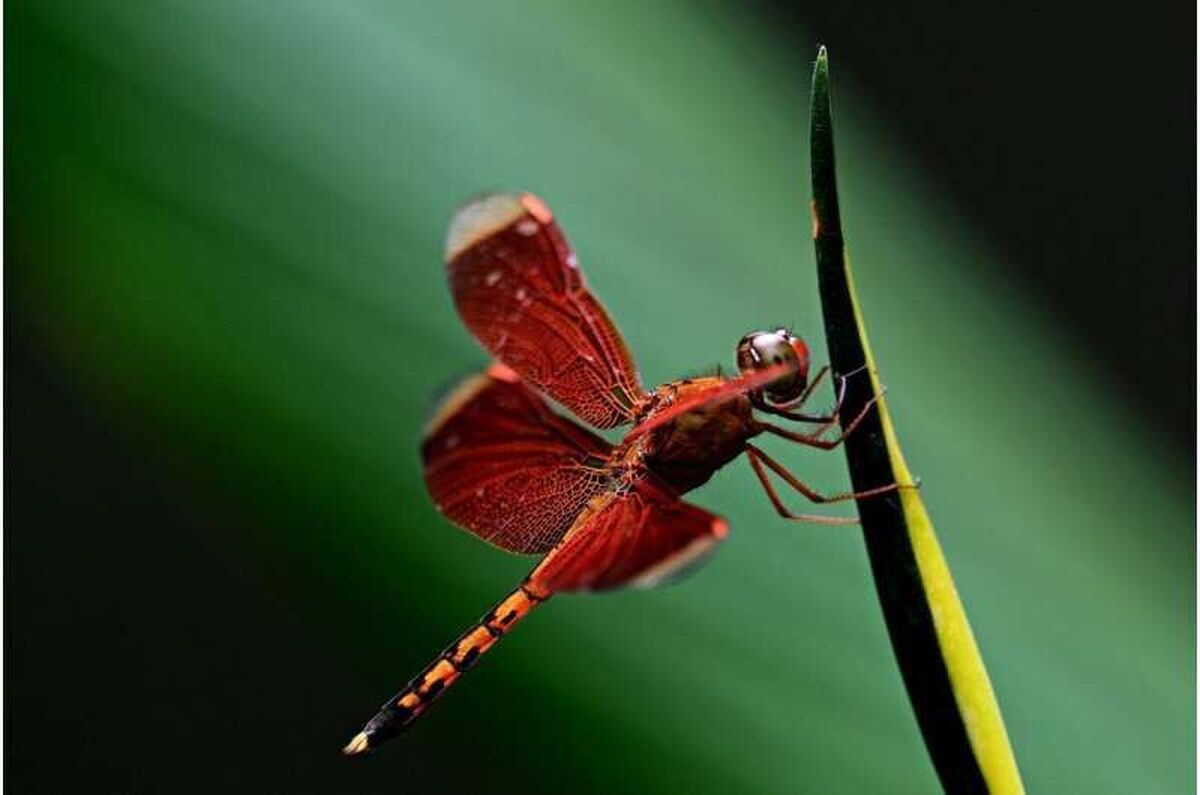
column 407, row 705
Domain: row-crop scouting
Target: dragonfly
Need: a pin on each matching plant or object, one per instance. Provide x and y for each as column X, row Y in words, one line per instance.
column 500, row 460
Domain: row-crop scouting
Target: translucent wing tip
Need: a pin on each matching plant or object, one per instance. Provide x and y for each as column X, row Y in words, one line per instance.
column 451, row 397
column 479, row 218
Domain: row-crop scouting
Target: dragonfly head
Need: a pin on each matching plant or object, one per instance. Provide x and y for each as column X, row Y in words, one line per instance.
column 759, row 350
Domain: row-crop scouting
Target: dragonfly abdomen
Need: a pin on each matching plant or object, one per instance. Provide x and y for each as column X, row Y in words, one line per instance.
column 405, row 707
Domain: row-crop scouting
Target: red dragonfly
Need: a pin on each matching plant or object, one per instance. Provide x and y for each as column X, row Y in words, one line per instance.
column 500, row 462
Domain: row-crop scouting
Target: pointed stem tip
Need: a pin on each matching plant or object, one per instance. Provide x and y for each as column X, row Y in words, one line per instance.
column 821, row 67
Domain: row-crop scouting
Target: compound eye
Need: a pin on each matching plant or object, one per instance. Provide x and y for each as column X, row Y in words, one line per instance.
column 765, row 349
column 762, row 349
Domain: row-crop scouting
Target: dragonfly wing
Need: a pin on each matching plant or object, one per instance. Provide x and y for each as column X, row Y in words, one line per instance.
column 519, row 290
column 502, row 464
column 639, row 538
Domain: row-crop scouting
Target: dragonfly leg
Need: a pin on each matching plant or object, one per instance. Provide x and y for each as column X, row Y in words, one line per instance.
column 808, row 390
column 814, row 439
column 755, row 455
column 827, row 420
column 758, row 458
column 799, row 416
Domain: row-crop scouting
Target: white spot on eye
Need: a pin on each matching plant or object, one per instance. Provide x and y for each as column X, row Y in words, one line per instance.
column 492, row 278
column 572, row 262
column 527, row 227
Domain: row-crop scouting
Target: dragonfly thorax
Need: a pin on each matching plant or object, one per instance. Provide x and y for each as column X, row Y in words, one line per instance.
column 686, row 451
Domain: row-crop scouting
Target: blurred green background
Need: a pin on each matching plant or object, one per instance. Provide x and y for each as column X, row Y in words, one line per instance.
column 226, row 314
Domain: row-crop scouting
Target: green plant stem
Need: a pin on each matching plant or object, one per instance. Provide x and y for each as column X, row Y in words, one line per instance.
column 943, row 672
